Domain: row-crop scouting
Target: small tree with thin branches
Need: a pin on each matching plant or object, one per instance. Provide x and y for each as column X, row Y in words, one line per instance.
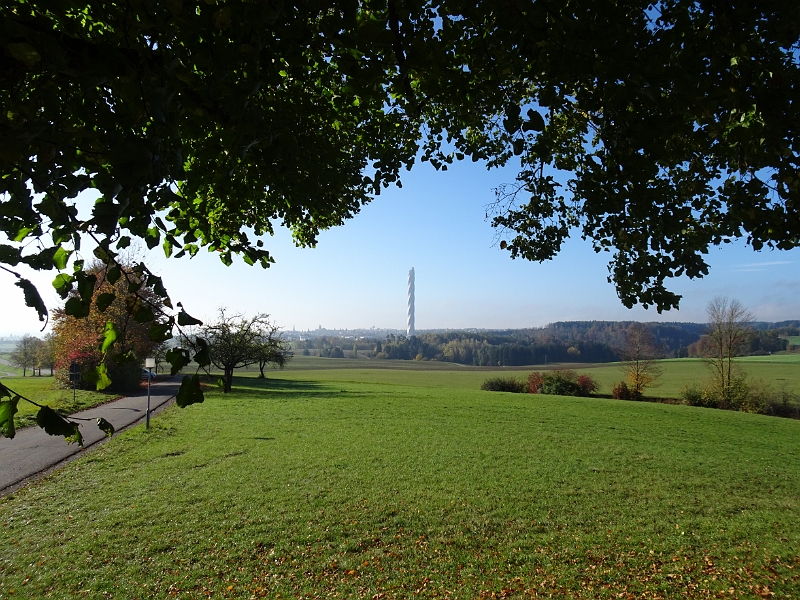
column 729, row 328
column 271, row 348
column 640, row 354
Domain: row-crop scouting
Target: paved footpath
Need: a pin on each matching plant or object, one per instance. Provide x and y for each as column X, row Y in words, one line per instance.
column 32, row 452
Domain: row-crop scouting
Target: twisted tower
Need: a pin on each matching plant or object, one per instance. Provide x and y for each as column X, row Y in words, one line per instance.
column 410, row 321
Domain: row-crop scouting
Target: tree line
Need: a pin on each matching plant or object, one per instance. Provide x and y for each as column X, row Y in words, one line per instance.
column 575, row 341
column 34, row 353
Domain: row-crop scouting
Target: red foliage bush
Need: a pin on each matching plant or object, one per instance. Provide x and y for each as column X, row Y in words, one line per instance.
column 621, row 391
column 587, row 384
column 535, row 382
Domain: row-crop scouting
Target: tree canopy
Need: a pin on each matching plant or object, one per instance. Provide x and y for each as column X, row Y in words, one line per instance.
column 235, row 341
column 202, row 124
column 109, row 318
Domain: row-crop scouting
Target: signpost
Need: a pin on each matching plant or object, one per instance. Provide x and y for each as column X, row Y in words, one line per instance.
column 74, row 377
column 149, row 363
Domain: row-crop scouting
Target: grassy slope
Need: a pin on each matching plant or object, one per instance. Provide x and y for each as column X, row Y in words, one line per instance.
column 389, row 485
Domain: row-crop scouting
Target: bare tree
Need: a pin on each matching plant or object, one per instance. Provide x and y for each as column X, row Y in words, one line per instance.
column 640, row 354
column 729, row 328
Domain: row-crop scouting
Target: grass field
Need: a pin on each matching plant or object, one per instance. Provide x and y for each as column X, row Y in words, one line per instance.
column 390, row 484
column 779, row 370
column 42, row 390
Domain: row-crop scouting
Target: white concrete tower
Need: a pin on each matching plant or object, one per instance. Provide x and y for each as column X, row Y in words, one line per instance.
column 410, row 322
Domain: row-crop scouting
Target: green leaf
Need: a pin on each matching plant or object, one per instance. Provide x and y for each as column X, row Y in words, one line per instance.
column 54, row 424
column 113, row 274
column 109, row 336
column 178, row 358
column 123, row 242
column 151, row 237
column 75, row 307
column 86, row 285
column 107, row 427
column 190, row 392
column 24, row 53
column 4, row 391
column 9, row 255
column 160, row 332
column 102, row 380
column 185, row 318
column 32, row 298
column 143, row 313
column 22, row 233
column 157, row 285
column 63, row 284
column 104, row 300
column 60, row 258
column 129, row 356
column 202, row 358
column 7, row 410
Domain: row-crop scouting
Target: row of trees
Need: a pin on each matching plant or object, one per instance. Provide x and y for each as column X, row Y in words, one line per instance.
column 576, row 341
column 34, row 353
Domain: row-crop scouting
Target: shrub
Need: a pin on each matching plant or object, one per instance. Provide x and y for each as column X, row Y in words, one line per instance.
column 695, row 396
column 757, row 399
column 754, row 397
column 535, row 382
column 561, row 383
column 505, row 384
column 621, row 391
column 587, row 384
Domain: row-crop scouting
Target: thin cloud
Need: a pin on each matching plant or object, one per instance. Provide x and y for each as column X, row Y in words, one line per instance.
column 759, row 266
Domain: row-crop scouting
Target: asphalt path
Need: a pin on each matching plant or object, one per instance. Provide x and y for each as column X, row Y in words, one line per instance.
column 33, row 453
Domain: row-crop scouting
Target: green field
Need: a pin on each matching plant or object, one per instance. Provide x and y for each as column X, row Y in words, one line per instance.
column 399, row 484
column 43, row 391
column 778, row 370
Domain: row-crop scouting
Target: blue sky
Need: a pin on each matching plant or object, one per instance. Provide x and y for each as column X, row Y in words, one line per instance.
column 356, row 276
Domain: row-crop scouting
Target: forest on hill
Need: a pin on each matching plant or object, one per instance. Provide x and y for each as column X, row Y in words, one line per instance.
column 568, row 341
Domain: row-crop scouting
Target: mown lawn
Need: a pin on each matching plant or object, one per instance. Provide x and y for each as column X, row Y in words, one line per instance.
column 779, row 371
column 315, row 485
column 43, row 391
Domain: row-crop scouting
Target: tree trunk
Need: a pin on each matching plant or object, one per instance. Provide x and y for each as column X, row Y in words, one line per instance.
column 228, row 379
column 261, row 365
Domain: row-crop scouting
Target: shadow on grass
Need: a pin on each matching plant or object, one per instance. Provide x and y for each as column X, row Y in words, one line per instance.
column 284, row 389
